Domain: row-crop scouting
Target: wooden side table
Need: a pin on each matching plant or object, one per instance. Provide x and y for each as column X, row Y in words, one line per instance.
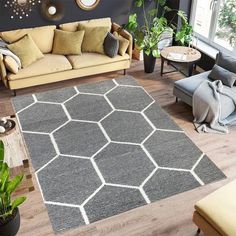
column 16, row 156
column 191, row 57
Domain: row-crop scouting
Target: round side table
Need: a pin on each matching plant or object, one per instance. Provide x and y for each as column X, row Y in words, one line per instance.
column 186, row 55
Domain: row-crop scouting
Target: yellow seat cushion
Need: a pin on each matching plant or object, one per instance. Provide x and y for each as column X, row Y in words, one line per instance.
column 219, row 209
column 93, row 38
column 123, row 43
column 73, row 26
column 94, row 59
column 51, row 63
column 42, row 36
column 26, row 50
column 11, row 64
column 67, row 43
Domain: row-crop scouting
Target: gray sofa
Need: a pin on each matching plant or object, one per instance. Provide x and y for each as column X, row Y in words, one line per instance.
column 184, row 89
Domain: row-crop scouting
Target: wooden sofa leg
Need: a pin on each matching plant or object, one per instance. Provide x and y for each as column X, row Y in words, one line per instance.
column 124, row 71
column 14, row 92
column 198, row 231
column 176, row 100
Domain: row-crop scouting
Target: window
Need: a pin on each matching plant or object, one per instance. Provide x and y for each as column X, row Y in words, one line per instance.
column 214, row 22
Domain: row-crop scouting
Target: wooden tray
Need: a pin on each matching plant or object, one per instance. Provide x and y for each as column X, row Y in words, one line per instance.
column 9, row 130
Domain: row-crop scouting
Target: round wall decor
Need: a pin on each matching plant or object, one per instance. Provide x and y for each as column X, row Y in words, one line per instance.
column 52, row 10
column 21, row 8
column 87, row 4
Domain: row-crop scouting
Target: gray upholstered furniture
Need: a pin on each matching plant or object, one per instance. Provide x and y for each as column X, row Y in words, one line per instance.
column 184, row 89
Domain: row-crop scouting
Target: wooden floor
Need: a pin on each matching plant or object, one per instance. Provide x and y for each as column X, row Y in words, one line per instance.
column 167, row 217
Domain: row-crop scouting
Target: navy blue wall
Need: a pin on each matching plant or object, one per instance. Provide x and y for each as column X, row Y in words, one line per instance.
column 118, row 10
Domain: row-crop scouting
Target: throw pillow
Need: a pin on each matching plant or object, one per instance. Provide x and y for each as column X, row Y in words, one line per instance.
column 123, row 43
column 226, row 61
column 111, row 45
column 26, row 50
column 11, row 64
column 42, row 36
column 93, row 38
column 67, row 43
column 218, row 73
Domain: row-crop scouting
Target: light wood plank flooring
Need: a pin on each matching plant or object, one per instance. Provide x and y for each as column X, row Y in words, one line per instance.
column 167, row 217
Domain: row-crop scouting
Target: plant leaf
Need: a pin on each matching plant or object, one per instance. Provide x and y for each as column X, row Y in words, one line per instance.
column 18, row 201
column 1, row 152
column 12, row 185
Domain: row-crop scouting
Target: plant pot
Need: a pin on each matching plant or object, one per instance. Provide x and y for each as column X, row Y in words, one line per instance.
column 11, row 227
column 149, row 62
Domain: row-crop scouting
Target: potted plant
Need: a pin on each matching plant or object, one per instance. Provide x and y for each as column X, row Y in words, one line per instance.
column 148, row 36
column 9, row 212
column 185, row 35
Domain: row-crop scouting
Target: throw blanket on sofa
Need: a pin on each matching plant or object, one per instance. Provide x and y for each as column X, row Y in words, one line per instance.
column 207, row 107
column 6, row 52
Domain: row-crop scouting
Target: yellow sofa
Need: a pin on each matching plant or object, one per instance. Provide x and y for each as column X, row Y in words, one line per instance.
column 53, row 67
column 215, row 214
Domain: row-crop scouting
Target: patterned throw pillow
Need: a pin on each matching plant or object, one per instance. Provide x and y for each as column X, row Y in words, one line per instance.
column 111, row 45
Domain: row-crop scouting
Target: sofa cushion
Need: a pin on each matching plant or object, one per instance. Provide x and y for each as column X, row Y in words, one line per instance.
column 226, row 61
column 123, row 43
column 67, row 43
column 51, row 63
column 26, row 50
column 93, row 59
column 73, row 26
column 219, row 73
column 219, row 209
column 93, row 38
column 42, row 36
column 111, row 45
column 189, row 85
column 11, row 64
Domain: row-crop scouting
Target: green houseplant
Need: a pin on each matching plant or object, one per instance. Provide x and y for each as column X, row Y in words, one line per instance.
column 185, row 35
column 148, row 35
column 227, row 22
column 9, row 213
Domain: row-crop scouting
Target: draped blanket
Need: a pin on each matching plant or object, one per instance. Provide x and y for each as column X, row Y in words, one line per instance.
column 207, row 107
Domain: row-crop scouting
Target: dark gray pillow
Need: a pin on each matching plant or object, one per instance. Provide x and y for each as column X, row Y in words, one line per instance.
column 111, row 45
column 218, row 73
column 226, row 61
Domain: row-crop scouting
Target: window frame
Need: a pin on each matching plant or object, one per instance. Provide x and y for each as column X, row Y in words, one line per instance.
column 210, row 39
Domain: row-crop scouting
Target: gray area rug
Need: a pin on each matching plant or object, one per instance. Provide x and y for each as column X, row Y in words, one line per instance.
column 105, row 148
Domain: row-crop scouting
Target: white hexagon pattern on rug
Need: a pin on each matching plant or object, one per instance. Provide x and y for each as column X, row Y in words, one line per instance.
column 79, row 139
column 64, row 172
column 88, row 107
column 126, row 127
column 129, row 98
column 124, row 164
column 42, row 117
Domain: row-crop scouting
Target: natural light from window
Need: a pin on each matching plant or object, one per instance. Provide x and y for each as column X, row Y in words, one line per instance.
column 214, row 22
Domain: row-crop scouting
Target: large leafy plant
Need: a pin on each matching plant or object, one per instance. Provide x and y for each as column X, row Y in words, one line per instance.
column 7, row 187
column 148, row 35
column 227, row 22
column 185, row 34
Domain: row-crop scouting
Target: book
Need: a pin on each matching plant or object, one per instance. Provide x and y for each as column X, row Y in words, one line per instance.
column 177, row 56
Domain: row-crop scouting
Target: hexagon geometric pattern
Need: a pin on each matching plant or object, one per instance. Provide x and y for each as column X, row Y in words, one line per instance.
column 104, row 148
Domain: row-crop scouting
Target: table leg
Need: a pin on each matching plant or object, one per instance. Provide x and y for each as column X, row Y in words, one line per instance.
column 162, row 65
column 190, row 69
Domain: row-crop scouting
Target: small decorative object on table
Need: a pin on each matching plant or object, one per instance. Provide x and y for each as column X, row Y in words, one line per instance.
column 182, row 55
column 6, row 126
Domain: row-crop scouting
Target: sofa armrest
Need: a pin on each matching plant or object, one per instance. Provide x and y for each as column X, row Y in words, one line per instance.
column 3, row 71
column 126, row 35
